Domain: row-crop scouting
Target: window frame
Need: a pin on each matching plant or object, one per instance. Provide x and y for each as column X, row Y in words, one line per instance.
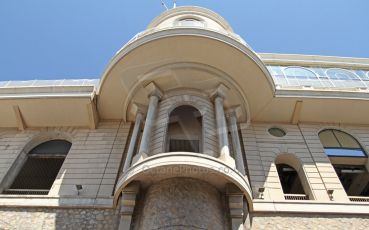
column 365, row 155
column 13, row 173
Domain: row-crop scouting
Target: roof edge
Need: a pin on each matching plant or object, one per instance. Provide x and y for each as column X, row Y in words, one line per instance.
column 314, row 60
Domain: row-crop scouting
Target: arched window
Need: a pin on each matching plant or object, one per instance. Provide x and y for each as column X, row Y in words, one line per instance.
column 348, row 159
column 184, row 130
column 341, row 74
column 190, row 22
column 338, row 143
column 40, row 168
column 290, row 180
column 299, row 73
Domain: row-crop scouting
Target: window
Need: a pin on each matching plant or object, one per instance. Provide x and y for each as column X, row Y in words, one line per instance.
column 184, row 130
column 277, row 132
column 354, row 179
column 40, row 168
column 348, row 159
column 338, row 143
column 341, row 74
column 190, row 22
column 299, row 73
column 290, row 180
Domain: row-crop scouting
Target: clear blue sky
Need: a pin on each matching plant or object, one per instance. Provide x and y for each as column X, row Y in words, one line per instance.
column 56, row 39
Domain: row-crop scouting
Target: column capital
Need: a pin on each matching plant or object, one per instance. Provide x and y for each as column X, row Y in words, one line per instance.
column 234, row 111
column 154, row 90
column 137, row 108
column 220, row 91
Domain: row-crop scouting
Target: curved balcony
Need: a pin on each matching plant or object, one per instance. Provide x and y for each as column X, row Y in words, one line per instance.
column 184, row 164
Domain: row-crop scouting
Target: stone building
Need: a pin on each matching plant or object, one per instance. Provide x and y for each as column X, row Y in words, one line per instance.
column 189, row 128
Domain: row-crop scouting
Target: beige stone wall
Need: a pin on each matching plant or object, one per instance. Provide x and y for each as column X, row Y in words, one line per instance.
column 93, row 160
column 302, row 143
column 57, row 218
column 309, row 221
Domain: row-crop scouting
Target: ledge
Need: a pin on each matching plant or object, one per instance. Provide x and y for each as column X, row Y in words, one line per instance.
column 33, row 201
column 261, row 206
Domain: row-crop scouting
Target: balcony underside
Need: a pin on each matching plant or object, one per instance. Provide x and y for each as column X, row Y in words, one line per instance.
column 183, row 164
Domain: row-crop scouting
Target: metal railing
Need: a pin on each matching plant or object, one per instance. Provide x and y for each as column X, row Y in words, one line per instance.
column 296, row 197
column 359, row 198
column 26, row 191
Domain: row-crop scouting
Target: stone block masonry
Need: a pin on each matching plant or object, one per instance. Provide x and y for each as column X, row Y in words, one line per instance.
column 58, row 218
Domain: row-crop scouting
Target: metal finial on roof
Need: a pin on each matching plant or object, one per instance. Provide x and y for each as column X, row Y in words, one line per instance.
column 164, row 5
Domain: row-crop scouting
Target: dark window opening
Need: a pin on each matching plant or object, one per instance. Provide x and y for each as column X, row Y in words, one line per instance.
column 354, row 179
column 291, row 183
column 40, row 168
column 184, row 130
column 184, row 146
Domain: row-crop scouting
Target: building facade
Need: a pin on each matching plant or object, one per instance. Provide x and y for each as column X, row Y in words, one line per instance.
column 189, row 128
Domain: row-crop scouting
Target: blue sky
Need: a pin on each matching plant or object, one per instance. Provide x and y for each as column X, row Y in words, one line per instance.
column 57, row 39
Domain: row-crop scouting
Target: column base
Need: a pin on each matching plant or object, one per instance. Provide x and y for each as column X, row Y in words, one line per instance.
column 228, row 160
column 138, row 158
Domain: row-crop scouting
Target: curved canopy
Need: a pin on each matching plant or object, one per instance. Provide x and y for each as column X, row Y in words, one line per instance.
column 184, row 58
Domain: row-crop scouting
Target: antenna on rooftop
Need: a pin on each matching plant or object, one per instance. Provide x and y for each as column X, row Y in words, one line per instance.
column 163, row 4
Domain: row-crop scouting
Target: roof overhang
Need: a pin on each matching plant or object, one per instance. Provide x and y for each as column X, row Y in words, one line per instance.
column 47, row 106
column 184, row 58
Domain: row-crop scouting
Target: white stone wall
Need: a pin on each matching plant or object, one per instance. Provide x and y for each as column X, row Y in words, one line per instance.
column 92, row 161
column 205, row 107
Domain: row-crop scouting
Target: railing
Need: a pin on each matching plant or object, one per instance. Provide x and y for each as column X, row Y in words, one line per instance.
column 26, row 191
column 296, row 197
column 359, row 198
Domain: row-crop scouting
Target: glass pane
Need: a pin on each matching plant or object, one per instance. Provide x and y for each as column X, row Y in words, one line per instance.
column 328, row 139
column 300, row 73
column 191, row 22
column 346, row 140
column 277, row 132
column 344, row 152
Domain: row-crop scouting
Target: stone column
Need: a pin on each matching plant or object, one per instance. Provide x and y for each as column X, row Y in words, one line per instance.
column 134, row 137
column 154, row 96
column 127, row 205
column 232, row 118
column 222, row 131
column 235, row 205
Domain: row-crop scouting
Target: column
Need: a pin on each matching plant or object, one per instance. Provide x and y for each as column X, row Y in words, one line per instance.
column 134, row 137
column 232, row 117
column 222, row 131
column 127, row 205
column 235, row 205
column 154, row 97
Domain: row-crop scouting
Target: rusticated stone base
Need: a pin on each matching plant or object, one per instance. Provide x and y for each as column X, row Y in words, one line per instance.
column 309, row 221
column 182, row 203
column 57, row 218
